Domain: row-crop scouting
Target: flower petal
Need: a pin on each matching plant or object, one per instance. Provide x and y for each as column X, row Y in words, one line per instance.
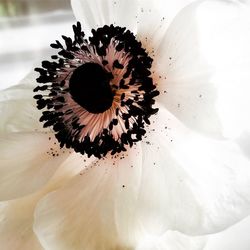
column 235, row 237
column 96, row 209
column 97, row 13
column 16, row 225
column 18, row 114
column 153, row 19
column 16, row 219
column 177, row 173
column 27, row 162
column 18, row 109
column 188, row 174
column 205, row 58
column 146, row 18
column 173, row 240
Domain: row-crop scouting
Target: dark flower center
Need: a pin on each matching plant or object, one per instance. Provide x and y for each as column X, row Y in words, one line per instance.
column 97, row 94
column 90, row 87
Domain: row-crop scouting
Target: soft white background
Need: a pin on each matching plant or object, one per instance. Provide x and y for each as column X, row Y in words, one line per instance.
column 27, row 27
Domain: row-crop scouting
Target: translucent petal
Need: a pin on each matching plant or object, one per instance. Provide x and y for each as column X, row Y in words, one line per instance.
column 197, row 185
column 16, row 220
column 19, row 114
column 203, row 67
column 27, row 162
column 153, row 19
column 16, row 225
column 149, row 19
column 29, row 81
column 96, row 209
column 173, row 240
column 18, row 108
column 235, row 237
column 97, row 13
column 179, row 181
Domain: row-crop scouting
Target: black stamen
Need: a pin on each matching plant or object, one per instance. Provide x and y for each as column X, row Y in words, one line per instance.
column 117, row 65
column 83, row 79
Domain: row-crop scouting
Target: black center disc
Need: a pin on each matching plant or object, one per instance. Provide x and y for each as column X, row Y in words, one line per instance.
column 90, row 87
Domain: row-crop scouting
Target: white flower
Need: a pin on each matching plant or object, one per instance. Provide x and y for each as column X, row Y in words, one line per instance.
column 190, row 174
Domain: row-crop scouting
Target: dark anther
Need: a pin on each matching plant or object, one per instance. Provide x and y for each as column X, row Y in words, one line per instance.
column 117, row 65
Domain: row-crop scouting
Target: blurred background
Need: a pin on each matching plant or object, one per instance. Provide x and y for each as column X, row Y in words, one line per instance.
column 27, row 27
column 16, row 8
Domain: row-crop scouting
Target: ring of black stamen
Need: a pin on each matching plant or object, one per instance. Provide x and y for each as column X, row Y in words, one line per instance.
column 66, row 77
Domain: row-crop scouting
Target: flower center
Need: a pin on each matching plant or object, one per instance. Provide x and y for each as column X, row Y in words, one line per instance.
column 98, row 93
column 90, row 87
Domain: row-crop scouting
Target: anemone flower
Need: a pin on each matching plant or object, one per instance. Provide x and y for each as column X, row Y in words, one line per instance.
column 138, row 133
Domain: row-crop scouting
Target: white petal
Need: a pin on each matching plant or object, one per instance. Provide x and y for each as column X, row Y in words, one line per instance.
column 25, row 153
column 153, row 19
column 18, row 108
column 173, row 240
column 196, row 185
column 27, row 162
column 29, row 81
column 244, row 142
column 96, row 209
column 235, row 237
column 19, row 116
column 97, row 13
column 148, row 19
column 205, row 59
column 16, row 220
column 186, row 182
column 16, row 225
column 19, row 112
